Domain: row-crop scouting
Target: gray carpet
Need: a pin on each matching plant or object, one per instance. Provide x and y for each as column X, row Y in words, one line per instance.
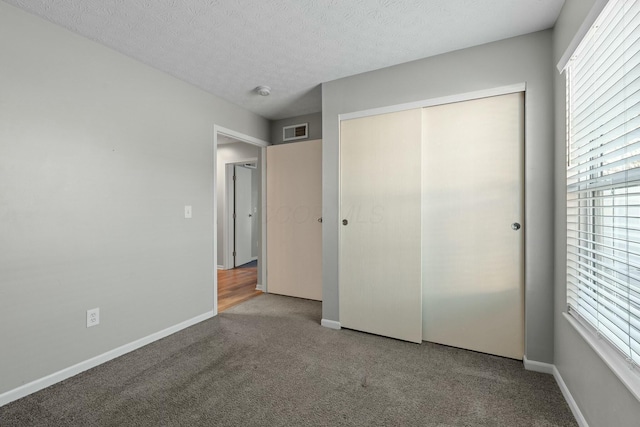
column 268, row 362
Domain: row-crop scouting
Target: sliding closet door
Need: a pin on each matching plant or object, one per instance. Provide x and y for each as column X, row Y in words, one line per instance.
column 473, row 292
column 380, row 269
column 294, row 228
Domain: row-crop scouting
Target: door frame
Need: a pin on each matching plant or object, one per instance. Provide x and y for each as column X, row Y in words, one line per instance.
column 468, row 96
column 262, row 253
column 228, row 237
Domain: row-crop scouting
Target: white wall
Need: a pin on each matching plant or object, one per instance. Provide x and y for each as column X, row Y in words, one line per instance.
column 229, row 153
column 516, row 60
column 98, row 156
column 601, row 397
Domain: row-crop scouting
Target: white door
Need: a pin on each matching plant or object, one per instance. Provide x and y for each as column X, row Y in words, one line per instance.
column 243, row 215
column 473, row 294
column 380, row 185
column 294, row 227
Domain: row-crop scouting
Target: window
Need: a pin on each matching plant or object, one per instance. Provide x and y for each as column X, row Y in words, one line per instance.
column 603, row 178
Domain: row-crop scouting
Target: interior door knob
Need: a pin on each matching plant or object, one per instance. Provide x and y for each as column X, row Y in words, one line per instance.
column 515, row 226
column 345, row 222
column 320, row 219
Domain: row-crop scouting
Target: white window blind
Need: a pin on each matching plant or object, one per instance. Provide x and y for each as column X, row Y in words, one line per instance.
column 603, row 178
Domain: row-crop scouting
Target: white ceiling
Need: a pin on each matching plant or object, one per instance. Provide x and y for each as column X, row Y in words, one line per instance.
column 228, row 47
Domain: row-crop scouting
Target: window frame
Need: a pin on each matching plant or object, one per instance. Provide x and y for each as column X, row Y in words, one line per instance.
column 627, row 370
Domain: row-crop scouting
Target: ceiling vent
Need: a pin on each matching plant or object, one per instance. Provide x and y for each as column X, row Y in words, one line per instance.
column 293, row 132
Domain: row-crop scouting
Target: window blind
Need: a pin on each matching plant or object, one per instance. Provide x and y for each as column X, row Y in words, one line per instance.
column 603, row 177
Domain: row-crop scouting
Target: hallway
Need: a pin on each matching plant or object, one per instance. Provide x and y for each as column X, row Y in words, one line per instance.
column 237, row 285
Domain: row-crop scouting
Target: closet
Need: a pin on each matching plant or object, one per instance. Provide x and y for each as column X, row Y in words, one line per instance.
column 432, row 240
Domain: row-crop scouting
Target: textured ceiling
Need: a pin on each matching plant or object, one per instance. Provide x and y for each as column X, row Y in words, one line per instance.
column 228, row 47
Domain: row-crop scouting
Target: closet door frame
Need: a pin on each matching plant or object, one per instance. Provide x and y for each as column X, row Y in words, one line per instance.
column 502, row 90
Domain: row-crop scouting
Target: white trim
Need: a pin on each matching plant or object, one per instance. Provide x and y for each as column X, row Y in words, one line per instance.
column 239, row 136
column 262, row 262
column 331, row 324
column 610, row 356
column 532, row 365
column 548, row 368
column 485, row 93
column 69, row 372
column 582, row 31
column 582, row 422
column 259, row 287
column 220, row 267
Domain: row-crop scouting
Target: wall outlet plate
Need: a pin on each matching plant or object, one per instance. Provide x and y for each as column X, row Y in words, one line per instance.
column 93, row 317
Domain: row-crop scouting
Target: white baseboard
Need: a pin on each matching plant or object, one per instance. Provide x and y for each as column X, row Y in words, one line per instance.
column 548, row 368
column 532, row 365
column 331, row 324
column 221, row 267
column 259, row 287
column 569, row 398
column 63, row 374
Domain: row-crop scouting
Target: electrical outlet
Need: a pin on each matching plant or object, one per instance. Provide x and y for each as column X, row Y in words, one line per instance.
column 187, row 211
column 93, row 317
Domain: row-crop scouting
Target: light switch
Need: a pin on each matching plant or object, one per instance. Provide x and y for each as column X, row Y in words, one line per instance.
column 187, row 211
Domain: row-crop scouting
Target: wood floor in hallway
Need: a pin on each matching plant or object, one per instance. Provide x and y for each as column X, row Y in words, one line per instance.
column 236, row 286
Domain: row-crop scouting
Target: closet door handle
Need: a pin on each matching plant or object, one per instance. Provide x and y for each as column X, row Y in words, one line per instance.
column 345, row 222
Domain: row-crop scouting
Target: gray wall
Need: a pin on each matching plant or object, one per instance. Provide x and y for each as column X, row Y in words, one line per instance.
column 229, row 153
column 315, row 127
column 521, row 59
column 602, row 398
column 98, row 156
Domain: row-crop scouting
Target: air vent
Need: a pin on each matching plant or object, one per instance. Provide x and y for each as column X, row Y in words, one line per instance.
column 293, row 132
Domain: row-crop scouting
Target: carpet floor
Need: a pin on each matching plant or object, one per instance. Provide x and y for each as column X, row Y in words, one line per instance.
column 268, row 362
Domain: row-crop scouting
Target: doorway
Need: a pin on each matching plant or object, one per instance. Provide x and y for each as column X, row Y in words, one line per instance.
column 233, row 282
column 241, row 195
